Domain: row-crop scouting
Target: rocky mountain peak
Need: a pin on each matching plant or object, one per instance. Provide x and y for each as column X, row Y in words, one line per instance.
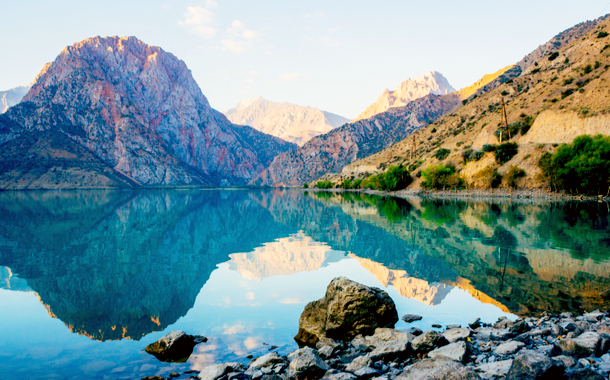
column 138, row 109
column 432, row 82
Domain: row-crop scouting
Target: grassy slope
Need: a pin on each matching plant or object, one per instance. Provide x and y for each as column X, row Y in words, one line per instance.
column 537, row 94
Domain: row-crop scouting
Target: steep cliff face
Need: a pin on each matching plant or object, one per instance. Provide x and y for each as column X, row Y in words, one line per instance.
column 332, row 151
column 291, row 122
column 139, row 111
column 409, row 90
column 11, row 97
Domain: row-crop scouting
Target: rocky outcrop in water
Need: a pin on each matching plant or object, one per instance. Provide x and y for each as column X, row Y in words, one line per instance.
column 176, row 346
column 348, row 309
column 332, row 151
column 137, row 111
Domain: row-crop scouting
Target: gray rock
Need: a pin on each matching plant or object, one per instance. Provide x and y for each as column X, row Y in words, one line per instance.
column 390, row 350
column 581, row 346
column 216, row 371
column 411, row 318
column 508, row 348
column 531, row 365
column 438, row 369
column 327, row 352
column 519, row 327
column 454, row 335
column 449, row 327
column 238, row 376
column 494, row 370
column 327, row 342
column 359, row 362
column 566, row 315
column 487, row 334
column 548, row 350
column 269, row 360
column 254, row 373
column 459, row 351
column 476, row 324
column 582, row 362
column 366, row 373
column 414, row 331
column 306, row 364
column 347, row 310
column 176, row 346
column 505, row 323
column 566, row 361
column 604, row 344
column 583, row 374
column 381, row 337
column 428, row 341
column 338, row 376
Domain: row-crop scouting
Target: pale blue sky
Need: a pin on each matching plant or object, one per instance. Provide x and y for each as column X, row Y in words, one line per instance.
column 334, row 55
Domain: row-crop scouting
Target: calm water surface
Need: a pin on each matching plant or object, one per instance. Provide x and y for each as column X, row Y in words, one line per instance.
column 88, row 279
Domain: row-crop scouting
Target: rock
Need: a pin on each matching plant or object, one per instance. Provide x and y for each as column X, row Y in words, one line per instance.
column 339, row 376
column 347, row 310
column 584, row 345
column 238, row 376
column 508, row 348
column 436, row 326
column 476, row 324
column 306, row 364
column 494, row 370
column 428, row 341
column 438, row 369
column 359, row 362
column 411, row 318
column 504, row 324
column 366, row 373
column 176, row 346
column 390, row 350
column 153, row 378
column 327, row 352
column 380, row 338
column 459, row 351
column 604, row 344
column 413, row 331
column 531, row 365
column 566, row 361
column 216, row 371
column 327, row 342
column 520, row 327
column 487, row 334
column 454, row 335
column 583, row 374
column 548, row 350
column 268, row 360
column 174, row 374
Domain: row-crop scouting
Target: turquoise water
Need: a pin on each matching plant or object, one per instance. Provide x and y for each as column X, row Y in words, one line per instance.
column 89, row 278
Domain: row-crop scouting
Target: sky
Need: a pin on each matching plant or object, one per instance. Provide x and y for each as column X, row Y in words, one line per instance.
column 338, row 56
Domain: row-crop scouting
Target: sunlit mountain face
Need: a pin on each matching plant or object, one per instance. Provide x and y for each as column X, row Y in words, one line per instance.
column 124, row 268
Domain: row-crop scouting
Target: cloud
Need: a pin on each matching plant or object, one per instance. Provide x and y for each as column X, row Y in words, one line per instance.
column 288, row 301
column 239, row 37
column 291, row 77
column 234, row 45
column 252, row 342
column 250, row 296
column 199, row 20
column 313, row 15
column 211, row 4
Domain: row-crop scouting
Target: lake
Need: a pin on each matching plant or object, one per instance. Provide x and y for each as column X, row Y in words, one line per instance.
column 88, row 279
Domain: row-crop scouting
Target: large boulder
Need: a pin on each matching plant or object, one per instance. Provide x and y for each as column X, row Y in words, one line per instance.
column 458, row 351
column 176, row 346
column 584, row 345
column 438, row 369
column 348, row 309
column 428, row 341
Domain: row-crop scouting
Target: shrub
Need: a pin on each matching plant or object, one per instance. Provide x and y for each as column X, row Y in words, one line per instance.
column 582, row 167
column 535, row 71
column 568, row 81
column 441, row 177
column 489, row 177
column 324, row 185
column 512, row 175
column 394, row 179
column 442, row 153
column 506, row 151
column 305, row 185
column 602, row 34
column 553, row 56
column 471, row 155
column 597, row 64
column 567, row 93
column 415, row 165
column 433, row 130
column 464, row 102
column 489, row 148
column 588, row 69
column 504, row 93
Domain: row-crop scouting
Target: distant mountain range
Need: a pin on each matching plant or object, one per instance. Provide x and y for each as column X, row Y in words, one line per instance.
column 11, row 97
column 409, row 90
column 115, row 112
column 291, row 122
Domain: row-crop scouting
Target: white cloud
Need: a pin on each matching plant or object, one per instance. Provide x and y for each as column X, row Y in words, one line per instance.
column 250, row 296
column 292, row 77
column 200, row 20
column 211, row 4
column 288, row 301
column 238, row 29
column 234, row 45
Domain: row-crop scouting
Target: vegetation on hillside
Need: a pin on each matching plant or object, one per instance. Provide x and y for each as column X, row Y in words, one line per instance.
column 394, row 179
column 582, row 167
column 441, row 177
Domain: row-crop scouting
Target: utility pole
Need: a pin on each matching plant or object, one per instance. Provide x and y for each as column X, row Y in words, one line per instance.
column 503, row 122
column 413, row 148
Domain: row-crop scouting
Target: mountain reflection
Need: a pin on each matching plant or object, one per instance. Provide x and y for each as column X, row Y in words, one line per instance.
column 114, row 264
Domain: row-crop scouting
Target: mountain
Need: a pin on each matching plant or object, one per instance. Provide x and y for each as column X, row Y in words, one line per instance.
column 409, row 90
column 11, row 97
column 290, row 122
column 332, row 151
column 135, row 115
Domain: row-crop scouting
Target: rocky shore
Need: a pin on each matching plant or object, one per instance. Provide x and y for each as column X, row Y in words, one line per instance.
column 549, row 346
